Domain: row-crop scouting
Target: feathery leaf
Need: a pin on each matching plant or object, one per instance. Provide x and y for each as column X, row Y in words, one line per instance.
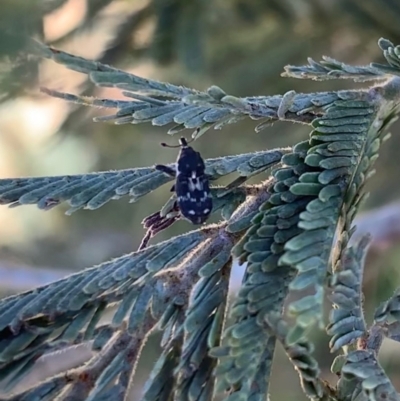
column 93, row 190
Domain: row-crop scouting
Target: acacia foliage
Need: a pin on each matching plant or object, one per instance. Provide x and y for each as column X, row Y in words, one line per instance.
column 292, row 231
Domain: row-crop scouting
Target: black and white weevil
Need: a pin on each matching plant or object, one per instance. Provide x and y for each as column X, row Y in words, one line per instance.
column 191, row 183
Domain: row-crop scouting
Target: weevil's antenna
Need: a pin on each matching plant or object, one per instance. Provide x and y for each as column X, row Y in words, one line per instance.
column 182, row 143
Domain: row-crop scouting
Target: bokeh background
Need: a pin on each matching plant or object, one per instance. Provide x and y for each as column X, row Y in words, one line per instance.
column 239, row 45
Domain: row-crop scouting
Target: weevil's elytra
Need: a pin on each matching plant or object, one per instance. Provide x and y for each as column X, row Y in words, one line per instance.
column 191, row 184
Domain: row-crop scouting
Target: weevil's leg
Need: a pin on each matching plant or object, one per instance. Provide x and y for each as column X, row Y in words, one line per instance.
column 165, row 169
column 146, row 239
column 174, row 215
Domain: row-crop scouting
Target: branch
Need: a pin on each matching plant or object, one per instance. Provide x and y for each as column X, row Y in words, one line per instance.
column 117, row 357
column 374, row 384
column 93, row 190
column 314, row 198
column 347, row 322
column 165, row 103
column 389, row 311
column 375, row 222
column 78, row 301
column 300, row 354
column 209, row 110
column 392, row 56
column 176, row 285
column 192, row 325
column 330, row 68
column 298, row 224
column 331, row 213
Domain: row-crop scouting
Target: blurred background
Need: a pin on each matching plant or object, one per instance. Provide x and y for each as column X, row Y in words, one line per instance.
column 239, row 45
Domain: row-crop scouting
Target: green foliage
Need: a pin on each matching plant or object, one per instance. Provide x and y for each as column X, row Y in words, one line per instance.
column 292, row 231
column 91, row 191
column 190, row 34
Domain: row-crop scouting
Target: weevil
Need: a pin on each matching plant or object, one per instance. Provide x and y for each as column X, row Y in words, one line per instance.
column 191, row 186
